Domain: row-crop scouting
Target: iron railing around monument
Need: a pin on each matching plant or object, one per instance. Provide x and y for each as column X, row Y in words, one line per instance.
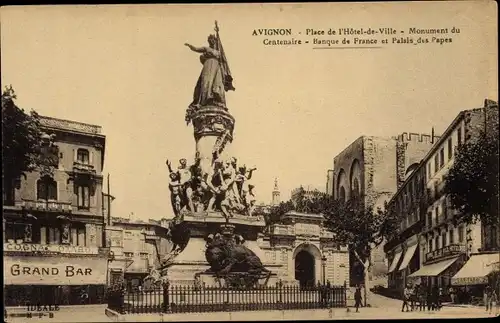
column 190, row 299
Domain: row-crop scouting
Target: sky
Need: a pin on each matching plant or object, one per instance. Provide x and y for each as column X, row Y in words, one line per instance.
column 126, row 68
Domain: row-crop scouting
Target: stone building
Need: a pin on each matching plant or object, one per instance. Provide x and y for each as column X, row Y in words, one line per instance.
column 53, row 221
column 302, row 252
column 431, row 246
column 374, row 167
column 136, row 247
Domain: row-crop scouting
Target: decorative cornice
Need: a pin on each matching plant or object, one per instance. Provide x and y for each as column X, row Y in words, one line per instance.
column 213, row 121
column 68, row 125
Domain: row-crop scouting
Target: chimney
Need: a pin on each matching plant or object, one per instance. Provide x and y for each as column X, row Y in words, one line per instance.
column 432, row 135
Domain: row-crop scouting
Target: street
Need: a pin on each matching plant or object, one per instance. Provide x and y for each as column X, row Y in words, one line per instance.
column 382, row 308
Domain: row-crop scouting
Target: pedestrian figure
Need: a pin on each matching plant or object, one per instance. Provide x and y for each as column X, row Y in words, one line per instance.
column 451, row 291
column 422, row 297
column 487, row 297
column 413, row 296
column 494, row 301
column 435, row 297
column 406, row 298
column 439, row 299
column 428, row 298
column 357, row 298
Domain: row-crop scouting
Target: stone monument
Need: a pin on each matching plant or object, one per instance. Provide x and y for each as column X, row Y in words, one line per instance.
column 214, row 232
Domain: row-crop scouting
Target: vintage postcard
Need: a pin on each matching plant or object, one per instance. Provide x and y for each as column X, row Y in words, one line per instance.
column 220, row 162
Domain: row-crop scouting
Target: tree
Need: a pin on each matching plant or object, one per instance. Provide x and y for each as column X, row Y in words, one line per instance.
column 276, row 213
column 356, row 226
column 21, row 142
column 472, row 182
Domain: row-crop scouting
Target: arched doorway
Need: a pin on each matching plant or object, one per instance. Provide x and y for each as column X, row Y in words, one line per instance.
column 305, row 269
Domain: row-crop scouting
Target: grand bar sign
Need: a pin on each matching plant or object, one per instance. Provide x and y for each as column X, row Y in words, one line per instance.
column 49, row 249
column 54, row 271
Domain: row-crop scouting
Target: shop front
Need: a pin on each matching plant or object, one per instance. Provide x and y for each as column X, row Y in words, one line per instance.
column 439, row 273
column 472, row 278
column 54, row 280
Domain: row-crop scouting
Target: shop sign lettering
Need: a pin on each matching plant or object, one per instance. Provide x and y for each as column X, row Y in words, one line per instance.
column 50, row 249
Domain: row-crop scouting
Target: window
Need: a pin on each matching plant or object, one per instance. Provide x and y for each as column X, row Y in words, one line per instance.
column 430, row 245
column 443, row 238
column 128, row 254
column 429, row 219
column 46, row 188
column 445, row 209
column 461, row 234
column 441, row 158
column 436, row 163
column 429, row 170
column 15, row 231
column 78, row 236
column 83, row 197
column 452, row 237
column 355, row 191
column 144, row 255
column 459, row 135
column 437, row 242
column 342, row 194
column 437, row 214
column 450, row 148
column 82, row 156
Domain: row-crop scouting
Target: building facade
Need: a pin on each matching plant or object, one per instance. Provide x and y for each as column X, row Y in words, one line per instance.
column 53, row 224
column 301, row 252
column 431, row 245
column 137, row 247
column 374, row 167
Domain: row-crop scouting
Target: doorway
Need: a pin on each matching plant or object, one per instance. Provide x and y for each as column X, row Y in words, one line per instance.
column 305, row 269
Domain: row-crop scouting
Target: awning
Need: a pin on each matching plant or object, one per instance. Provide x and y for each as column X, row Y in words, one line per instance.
column 408, row 255
column 395, row 261
column 433, row 269
column 476, row 269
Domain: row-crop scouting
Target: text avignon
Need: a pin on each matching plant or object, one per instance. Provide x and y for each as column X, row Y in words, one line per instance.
column 272, row 32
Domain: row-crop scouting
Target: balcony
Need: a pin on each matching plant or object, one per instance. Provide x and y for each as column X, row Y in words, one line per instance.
column 41, row 205
column 83, row 168
column 445, row 252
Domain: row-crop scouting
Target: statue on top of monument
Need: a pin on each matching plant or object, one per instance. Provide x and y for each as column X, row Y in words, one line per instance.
column 215, row 77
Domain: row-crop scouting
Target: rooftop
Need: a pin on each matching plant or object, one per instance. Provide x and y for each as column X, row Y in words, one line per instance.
column 69, row 125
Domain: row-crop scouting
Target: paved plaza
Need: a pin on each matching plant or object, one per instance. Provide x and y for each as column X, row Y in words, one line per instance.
column 383, row 308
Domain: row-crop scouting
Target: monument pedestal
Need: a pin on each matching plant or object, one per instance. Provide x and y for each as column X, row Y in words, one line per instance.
column 191, row 262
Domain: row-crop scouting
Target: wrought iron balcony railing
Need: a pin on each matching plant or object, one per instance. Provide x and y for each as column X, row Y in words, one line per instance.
column 83, row 167
column 44, row 205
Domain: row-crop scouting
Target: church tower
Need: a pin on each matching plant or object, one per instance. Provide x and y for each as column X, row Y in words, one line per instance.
column 276, row 194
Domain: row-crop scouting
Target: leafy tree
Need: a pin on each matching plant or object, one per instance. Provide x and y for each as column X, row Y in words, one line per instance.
column 276, row 213
column 472, row 182
column 21, row 142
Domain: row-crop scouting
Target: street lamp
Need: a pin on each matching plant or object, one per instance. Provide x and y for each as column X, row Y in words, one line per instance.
column 323, row 264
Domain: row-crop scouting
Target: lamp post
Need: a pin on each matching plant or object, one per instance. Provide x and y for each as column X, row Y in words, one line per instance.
column 323, row 264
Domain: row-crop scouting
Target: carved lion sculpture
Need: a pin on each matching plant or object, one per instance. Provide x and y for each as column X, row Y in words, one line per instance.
column 226, row 257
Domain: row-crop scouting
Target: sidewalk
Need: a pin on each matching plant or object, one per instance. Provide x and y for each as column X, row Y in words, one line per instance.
column 72, row 313
column 301, row 315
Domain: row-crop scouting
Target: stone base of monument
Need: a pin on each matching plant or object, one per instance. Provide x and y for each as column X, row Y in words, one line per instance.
column 209, row 279
column 191, row 262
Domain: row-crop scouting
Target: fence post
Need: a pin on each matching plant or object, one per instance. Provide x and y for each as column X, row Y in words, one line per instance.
column 166, row 300
column 345, row 294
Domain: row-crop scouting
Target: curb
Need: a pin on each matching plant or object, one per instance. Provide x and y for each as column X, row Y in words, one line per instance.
column 113, row 315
